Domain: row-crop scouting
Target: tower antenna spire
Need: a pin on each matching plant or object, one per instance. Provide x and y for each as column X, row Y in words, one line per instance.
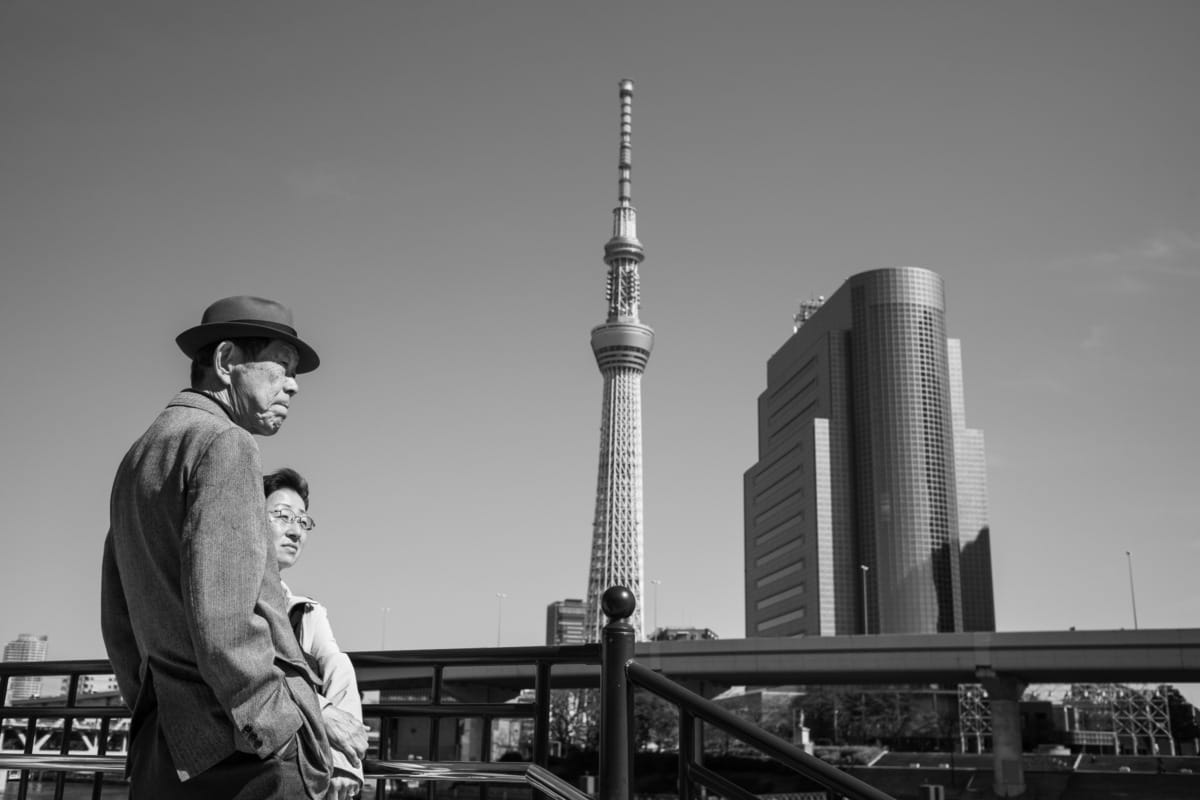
column 626, row 161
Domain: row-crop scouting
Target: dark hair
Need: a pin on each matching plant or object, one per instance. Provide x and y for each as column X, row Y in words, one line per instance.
column 285, row 478
column 251, row 347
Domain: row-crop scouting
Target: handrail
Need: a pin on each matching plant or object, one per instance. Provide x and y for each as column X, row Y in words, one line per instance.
column 620, row 672
column 534, row 775
column 785, row 753
column 112, row 765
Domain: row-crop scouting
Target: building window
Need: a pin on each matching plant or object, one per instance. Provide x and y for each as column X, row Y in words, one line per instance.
column 782, row 619
column 786, row 594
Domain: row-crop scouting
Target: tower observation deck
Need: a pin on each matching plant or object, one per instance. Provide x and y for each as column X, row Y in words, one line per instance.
column 622, row 348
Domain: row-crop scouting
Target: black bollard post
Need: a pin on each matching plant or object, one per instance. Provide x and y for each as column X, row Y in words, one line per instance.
column 616, row 698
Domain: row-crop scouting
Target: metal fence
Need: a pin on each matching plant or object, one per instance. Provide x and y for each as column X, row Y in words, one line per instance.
column 423, row 694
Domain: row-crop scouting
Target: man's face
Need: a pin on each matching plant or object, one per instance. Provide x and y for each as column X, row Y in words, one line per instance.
column 261, row 390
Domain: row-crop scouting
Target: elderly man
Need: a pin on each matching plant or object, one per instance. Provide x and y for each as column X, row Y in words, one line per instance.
column 192, row 610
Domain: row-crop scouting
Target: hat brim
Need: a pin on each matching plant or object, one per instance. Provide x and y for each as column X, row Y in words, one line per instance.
column 193, row 339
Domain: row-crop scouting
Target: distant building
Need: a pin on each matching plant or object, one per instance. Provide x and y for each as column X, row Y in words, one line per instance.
column 26, row 647
column 565, row 622
column 93, row 684
column 776, row 711
column 681, row 634
column 867, row 509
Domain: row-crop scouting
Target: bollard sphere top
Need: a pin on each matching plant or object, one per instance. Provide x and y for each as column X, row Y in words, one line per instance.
column 618, row 603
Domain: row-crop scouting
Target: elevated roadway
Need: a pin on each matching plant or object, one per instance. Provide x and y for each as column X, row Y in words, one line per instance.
column 1118, row 656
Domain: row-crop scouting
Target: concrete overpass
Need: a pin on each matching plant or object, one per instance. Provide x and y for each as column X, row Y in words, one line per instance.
column 1141, row 656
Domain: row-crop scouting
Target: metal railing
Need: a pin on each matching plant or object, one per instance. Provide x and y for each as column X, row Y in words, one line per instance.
column 61, row 722
column 441, row 685
column 435, row 681
column 621, row 673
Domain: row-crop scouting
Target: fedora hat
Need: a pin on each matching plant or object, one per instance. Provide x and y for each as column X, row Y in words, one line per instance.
column 242, row 317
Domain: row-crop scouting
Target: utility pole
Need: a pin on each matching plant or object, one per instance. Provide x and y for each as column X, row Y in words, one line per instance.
column 1132, row 596
column 866, row 619
column 656, row 583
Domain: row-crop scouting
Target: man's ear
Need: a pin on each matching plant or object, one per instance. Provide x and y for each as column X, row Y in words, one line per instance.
column 225, row 357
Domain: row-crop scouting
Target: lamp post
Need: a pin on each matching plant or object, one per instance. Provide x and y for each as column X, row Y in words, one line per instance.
column 656, row 583
column 499, row 614
column 866, row 619
column 1132, row 596
column 383, row 629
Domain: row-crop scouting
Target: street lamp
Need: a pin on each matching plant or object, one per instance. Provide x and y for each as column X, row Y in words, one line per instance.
column 866, row 620
column 383, row 630
column 1132, row 597
column 499, row 614
column 656, row 584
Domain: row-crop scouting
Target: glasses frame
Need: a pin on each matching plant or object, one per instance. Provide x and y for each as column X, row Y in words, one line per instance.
column 286, row 517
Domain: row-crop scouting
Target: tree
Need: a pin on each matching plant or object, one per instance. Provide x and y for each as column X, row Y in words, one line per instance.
column 821, row 713
column 1182, row 715
column 655, row 722
column 575, row 718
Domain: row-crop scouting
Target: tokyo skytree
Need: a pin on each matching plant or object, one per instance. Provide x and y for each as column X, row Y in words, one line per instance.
column 622, row 347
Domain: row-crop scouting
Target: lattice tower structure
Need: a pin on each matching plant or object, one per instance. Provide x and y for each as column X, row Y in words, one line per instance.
column 974, row 718
column 622, row 348
column 1139, row 719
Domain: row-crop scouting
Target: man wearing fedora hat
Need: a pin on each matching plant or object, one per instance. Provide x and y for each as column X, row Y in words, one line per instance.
column 192, row 609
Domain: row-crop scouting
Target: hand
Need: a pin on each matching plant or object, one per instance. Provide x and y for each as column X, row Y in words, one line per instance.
column 342, row 788
column 345, row 733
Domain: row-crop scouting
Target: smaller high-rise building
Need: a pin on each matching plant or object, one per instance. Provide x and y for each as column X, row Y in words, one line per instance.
column 565, row 622
column 26, row 647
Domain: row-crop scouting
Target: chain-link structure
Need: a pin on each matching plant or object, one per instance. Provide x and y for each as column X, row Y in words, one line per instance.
column 622, row 348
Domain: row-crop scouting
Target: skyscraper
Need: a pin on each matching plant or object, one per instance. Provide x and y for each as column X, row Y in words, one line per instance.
column 867, row 509
column 622, row 348
column 26, row 647
column 565, row 622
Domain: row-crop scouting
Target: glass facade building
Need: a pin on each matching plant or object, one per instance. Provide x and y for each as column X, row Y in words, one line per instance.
column 867, row 509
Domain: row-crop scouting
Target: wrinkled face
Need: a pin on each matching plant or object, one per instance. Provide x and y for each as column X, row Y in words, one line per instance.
column 261, row 390
column 289, row 536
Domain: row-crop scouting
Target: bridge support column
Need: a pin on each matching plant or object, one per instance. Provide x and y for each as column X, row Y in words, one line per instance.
column 1004, row 698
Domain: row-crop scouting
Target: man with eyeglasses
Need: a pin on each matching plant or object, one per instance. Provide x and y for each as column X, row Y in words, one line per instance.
column 192, row 610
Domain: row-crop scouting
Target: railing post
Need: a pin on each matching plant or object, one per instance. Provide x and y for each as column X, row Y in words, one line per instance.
column 616, row 698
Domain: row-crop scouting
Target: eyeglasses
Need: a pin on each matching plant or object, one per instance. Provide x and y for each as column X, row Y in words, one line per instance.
column 285, row 517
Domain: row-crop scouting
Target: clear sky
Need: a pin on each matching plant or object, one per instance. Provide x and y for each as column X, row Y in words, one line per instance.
column 430, row 186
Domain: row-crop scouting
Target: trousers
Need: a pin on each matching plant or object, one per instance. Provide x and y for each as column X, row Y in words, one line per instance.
column 242, row 776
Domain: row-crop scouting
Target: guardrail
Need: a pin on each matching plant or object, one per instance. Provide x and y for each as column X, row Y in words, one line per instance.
column 450, row 669
column 621, row 673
